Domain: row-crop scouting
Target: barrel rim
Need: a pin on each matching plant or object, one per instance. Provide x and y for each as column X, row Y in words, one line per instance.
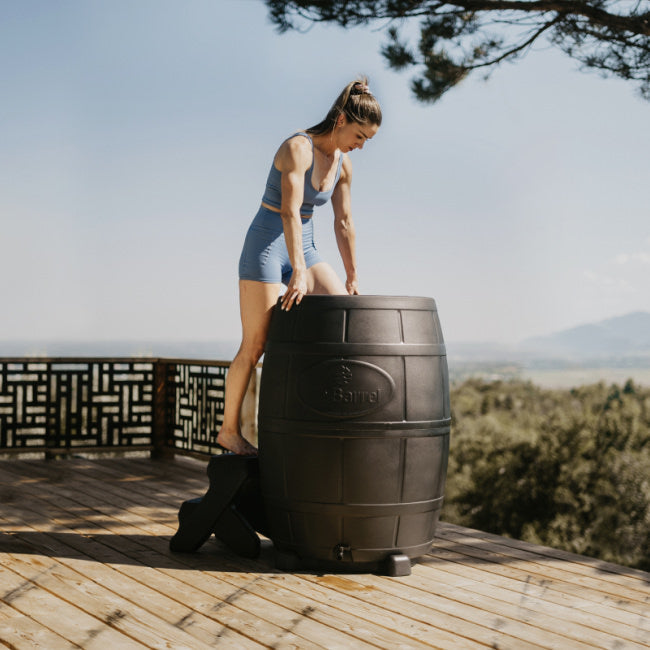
column 369, row 301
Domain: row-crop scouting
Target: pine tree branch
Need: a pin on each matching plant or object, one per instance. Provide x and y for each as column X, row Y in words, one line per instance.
column 364, row 12
column 517, row 48
column 586, row 30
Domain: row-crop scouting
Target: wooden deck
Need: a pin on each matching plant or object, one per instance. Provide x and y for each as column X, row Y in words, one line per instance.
column 84, row 562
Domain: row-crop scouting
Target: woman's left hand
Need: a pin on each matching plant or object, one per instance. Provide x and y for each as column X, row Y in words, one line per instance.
column 352, row 286
column 296, row 289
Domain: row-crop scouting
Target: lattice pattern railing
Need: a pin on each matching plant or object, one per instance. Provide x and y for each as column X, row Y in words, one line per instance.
column 196, row 407
column 79, row 404
column 75, row 403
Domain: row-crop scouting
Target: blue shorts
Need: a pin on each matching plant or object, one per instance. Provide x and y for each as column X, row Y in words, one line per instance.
column 265, row 257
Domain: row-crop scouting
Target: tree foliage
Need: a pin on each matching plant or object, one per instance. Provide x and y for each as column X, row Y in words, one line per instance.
column 568, row 469
column 459, row 37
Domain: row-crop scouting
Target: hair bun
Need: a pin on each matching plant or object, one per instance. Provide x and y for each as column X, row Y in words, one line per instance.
column 360, row 88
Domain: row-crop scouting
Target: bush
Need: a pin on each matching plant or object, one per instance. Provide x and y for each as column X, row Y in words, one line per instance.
column 569, row 469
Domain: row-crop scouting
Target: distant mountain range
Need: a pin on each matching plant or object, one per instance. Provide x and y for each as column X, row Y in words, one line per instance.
column 622, row 339
column 622, row 336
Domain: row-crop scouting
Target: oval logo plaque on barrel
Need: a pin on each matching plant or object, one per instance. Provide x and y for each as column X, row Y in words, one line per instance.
column 344, row 388
column 353, row 429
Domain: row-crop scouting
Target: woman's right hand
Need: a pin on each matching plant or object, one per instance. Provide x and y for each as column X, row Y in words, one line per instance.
column 295, row 291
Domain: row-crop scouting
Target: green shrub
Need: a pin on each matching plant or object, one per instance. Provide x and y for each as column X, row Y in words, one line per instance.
column 569, row 469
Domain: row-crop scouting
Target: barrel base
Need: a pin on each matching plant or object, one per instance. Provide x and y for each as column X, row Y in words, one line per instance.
column 347, row 534
column 394, row 565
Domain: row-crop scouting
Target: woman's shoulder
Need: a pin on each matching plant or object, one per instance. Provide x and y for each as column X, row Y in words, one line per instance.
column 299, row 141
column 295, row 151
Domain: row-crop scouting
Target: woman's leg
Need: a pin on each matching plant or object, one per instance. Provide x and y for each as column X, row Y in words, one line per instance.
column 256, row 301
column 322, row 279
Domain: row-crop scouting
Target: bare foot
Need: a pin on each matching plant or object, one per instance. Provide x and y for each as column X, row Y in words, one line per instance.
column 236, row 443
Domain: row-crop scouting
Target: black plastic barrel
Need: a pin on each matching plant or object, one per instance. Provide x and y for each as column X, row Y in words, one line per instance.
column 353, row 428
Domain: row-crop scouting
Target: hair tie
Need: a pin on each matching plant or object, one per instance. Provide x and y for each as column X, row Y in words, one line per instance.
column 362, row 88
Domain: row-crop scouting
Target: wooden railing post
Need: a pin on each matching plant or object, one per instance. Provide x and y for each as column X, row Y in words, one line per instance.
column 160, row 429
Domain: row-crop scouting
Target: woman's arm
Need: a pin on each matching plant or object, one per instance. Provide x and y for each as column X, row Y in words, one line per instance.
column 344, row 226
column 293, row 160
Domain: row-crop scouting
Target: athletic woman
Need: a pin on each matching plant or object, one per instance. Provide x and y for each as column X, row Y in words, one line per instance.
column 310, row 168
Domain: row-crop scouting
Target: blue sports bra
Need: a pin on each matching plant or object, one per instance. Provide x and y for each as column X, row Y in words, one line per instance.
column 273, row 194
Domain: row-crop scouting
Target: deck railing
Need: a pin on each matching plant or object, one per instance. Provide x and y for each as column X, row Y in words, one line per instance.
column 81, row 404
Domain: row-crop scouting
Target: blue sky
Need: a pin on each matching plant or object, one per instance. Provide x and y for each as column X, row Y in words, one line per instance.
column 135, row 139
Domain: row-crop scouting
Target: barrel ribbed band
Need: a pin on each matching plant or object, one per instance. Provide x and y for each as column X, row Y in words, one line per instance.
column 314, row 428
column 354, row 509
column 347, row 350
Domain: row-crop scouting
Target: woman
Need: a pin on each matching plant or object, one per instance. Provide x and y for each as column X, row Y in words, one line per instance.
column 309, row 168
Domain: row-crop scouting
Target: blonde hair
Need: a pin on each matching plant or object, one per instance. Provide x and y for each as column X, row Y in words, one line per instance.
column 356, row 103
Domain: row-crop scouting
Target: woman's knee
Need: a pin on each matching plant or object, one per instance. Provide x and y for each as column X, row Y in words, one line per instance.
column 324, row 280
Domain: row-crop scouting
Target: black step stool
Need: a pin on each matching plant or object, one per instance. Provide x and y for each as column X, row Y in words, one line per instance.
column 232, row 508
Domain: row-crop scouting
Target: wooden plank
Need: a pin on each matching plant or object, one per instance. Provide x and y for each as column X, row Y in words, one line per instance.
column 190, row 471
column 489, row 572
column 19, row 631
column 529, row 594
column 517, row 560
column 73, row 624
column 161, row 611
column 163, row 486
column 580, row 563
column 167, row 483
column 577, row 624
column 632, row 584
column 94, row 599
